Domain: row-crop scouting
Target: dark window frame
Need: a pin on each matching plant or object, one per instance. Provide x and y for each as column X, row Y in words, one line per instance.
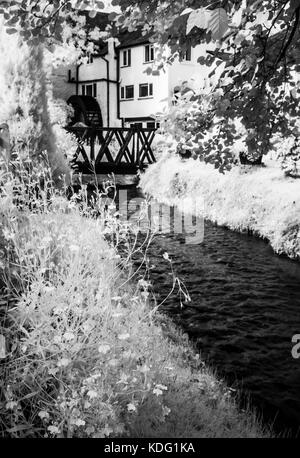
column 125, row 90
column 149, row 87
column 126, row 57
column 148, row 53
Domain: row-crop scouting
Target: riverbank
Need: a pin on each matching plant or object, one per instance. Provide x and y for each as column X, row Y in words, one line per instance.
column 260, row 200
column 87, row 356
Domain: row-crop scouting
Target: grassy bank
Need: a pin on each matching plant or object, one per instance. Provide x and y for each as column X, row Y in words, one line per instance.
column 256, row 199
column 86, row 353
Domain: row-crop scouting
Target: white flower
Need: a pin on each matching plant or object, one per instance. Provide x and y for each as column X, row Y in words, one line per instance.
column 43, row 415
column 161, row 387
column 166, row 256
column 144, row 369
column 92, row 394
column 124, row 336
column 11, row 405
column 104, row 348
column 57, row 339
column 157, row 391
column 166, row 411
column 63, row 362
column 53, row 430
column 69, row 336
column 74, row 248
column 131, row 407
column 52, row 371
column 78, row 422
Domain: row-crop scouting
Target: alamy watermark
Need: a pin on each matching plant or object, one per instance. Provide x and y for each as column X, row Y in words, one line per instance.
column 296, row 348
column 185, row 220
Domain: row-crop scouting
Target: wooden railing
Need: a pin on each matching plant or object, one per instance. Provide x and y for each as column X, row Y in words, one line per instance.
column 112, row 149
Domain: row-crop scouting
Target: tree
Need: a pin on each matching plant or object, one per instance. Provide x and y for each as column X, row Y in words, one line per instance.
column 36, row 24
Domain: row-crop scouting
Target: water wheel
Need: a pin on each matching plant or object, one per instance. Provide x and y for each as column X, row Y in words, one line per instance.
column 86, row 110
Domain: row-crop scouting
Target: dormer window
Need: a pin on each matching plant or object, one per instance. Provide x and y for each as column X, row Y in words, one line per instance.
column 90, row 58
column 126, row 58
column 149, row 53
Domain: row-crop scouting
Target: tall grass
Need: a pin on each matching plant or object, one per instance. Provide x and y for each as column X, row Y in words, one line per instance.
column 86, row 354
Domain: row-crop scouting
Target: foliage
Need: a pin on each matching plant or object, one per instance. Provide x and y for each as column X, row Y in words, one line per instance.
column 26, row 102
column 289, row 154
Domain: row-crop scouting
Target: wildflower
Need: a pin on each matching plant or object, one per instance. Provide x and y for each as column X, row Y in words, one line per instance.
column 117, row 315
column 11, row 405
column 144, row 369
column 7, row 234
column 161, row 387
column 63, row 362
column 48, row 289
column 165, row 411
column 46, row 240
column 43, row 415
column 157, row 391
column 166, row 256
column 57, row 339
column 104, row 348
column 69, row 336
column 124, row 336
column 131, row 407
column 143, row 283
column 78, row 422
column 74, row 248
column 92, row 394
column 90, row 430
column 52, row 371
column 53, row 430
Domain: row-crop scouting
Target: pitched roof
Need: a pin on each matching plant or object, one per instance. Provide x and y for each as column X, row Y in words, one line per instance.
column 125, row 38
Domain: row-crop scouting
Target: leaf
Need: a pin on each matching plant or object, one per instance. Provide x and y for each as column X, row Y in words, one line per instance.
column 198, row 18
column 11, row 31
column 218, row 23
column 2, row 347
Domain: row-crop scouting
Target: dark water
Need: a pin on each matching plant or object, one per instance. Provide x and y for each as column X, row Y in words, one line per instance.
column 244, row 310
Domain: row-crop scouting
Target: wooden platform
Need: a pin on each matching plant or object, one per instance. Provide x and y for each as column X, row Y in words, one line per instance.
column 99, row 179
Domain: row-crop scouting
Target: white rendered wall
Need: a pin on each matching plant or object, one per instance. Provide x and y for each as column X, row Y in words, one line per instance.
column 135, row 75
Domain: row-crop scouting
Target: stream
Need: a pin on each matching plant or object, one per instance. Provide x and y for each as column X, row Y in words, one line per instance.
column 244, row 310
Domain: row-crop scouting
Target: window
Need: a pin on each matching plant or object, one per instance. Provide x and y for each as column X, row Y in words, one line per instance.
column 146, row 90
column 187, row 54
column 126, row 58
column 90, row 58
column 150, row 125
column 127, row 92
column 149, row 53
column 89, row 89
column 137, row 124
